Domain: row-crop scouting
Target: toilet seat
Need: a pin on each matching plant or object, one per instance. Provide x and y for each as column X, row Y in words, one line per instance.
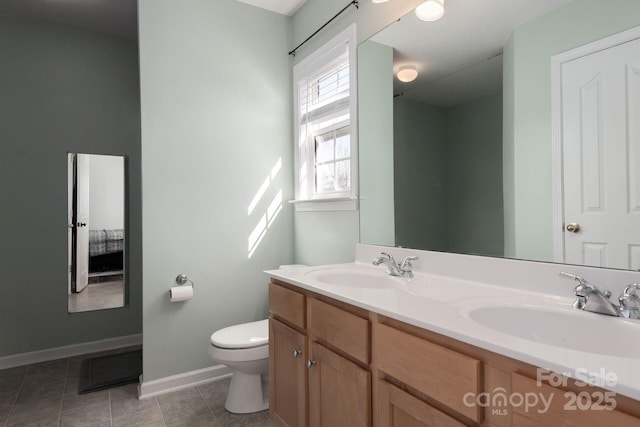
column 230, row 355
column 244, row 336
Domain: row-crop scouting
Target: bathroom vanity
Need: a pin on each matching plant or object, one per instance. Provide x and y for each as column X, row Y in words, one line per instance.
column 350, row 346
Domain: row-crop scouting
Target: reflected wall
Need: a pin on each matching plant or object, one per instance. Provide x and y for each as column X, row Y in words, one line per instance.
column 527, row 107
column 447, row 167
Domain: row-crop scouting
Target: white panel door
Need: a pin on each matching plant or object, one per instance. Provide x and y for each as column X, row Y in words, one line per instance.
column 82, row 221
column 601, row 157
column 70, row 224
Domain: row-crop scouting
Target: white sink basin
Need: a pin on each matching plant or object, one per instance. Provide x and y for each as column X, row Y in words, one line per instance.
column 357, row 277
column 562, row 327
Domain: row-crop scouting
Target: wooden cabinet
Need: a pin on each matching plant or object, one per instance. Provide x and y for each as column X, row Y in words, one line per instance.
column 345, row 331
column 339, row 390
column 288, row 385
column 438, row 372
column 397, row 408
column 319, row 353
column 288, row 305
column 333, row 365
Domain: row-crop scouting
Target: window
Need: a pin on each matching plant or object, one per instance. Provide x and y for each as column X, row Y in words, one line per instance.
column 333, row 161
column 326, row 138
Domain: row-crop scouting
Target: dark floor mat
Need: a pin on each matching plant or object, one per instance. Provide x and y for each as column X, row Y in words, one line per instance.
column 109, row 371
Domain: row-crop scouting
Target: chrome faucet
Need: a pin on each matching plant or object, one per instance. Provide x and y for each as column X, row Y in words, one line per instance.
column 630, row 302
column 590, row 298
column 404, row 269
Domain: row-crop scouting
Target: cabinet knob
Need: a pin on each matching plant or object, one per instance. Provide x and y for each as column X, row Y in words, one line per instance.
column 310, row 363
column 296, row 352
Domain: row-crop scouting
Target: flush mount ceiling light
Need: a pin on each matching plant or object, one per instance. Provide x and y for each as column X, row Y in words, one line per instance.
column 379, row 1
column 407, row 73
column 430, row 10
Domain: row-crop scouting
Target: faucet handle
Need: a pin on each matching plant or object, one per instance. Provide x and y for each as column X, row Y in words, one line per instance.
column 388, row 256
column 406, row 265
column 629, row 298
column 578, row 279
column 584, row 288
column 407, row 260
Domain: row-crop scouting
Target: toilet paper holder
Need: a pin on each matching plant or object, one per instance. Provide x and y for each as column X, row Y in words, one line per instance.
column 182, row 279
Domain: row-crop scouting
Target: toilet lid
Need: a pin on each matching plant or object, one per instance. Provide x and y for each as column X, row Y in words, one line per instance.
column 246, row 335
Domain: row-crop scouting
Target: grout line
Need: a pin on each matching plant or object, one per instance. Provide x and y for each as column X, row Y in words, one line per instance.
column 15, row 399
column 64, row 389
column 215, row 417
column 161, row 413
column 110, row 408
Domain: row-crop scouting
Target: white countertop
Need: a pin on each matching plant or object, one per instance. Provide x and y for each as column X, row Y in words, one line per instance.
column 442, row 304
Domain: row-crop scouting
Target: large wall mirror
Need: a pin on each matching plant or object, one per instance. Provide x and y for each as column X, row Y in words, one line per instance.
column 96, row 214
column 473, row 156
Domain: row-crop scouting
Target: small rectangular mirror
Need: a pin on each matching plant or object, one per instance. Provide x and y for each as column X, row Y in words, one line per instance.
column 96, row 232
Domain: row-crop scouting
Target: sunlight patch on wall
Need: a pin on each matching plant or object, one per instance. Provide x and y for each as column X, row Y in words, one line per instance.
column 267, row 219
column 258, row 196
column 274, row 208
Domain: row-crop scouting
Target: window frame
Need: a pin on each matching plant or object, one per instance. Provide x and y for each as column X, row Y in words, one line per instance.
column 306, row 199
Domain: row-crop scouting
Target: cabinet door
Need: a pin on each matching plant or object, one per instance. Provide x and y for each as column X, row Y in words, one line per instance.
column 397, row 408
column 339, row 390
column 288, row 375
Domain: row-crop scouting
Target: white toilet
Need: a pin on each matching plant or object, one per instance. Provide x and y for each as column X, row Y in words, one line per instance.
column 245, row 349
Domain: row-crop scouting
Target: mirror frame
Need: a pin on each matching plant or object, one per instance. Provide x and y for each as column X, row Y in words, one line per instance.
column 126, row 239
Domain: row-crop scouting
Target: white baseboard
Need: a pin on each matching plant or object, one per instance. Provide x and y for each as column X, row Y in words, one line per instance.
column 69, row 351
column 177, row 382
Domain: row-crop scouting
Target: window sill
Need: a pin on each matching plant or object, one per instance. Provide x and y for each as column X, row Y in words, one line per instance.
column 326, row 205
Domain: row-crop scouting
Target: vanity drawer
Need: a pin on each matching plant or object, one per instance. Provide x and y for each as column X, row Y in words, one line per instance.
column 287, row 304
column 343, row 330
column 397, row 408
column 440, row 373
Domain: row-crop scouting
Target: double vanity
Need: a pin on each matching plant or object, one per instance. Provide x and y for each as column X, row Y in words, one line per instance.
column 464, row 341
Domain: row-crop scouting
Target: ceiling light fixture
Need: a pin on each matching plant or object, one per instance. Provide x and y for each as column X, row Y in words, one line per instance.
column 379, row 1
column 407, row 73
column 430, row 10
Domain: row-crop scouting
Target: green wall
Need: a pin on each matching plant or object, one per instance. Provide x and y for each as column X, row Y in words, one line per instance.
column 474, row 177
column 216, row 123
column 420, row 165
column 527, row 131
column 62, row 90
column 448, row 176
column 375, row 149
column 326, row 237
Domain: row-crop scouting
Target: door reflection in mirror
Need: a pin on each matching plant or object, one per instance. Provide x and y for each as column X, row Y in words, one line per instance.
column 599, row 168
column 96, row 233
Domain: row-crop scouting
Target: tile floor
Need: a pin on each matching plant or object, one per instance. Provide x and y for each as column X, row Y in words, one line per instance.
column 45, row 394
